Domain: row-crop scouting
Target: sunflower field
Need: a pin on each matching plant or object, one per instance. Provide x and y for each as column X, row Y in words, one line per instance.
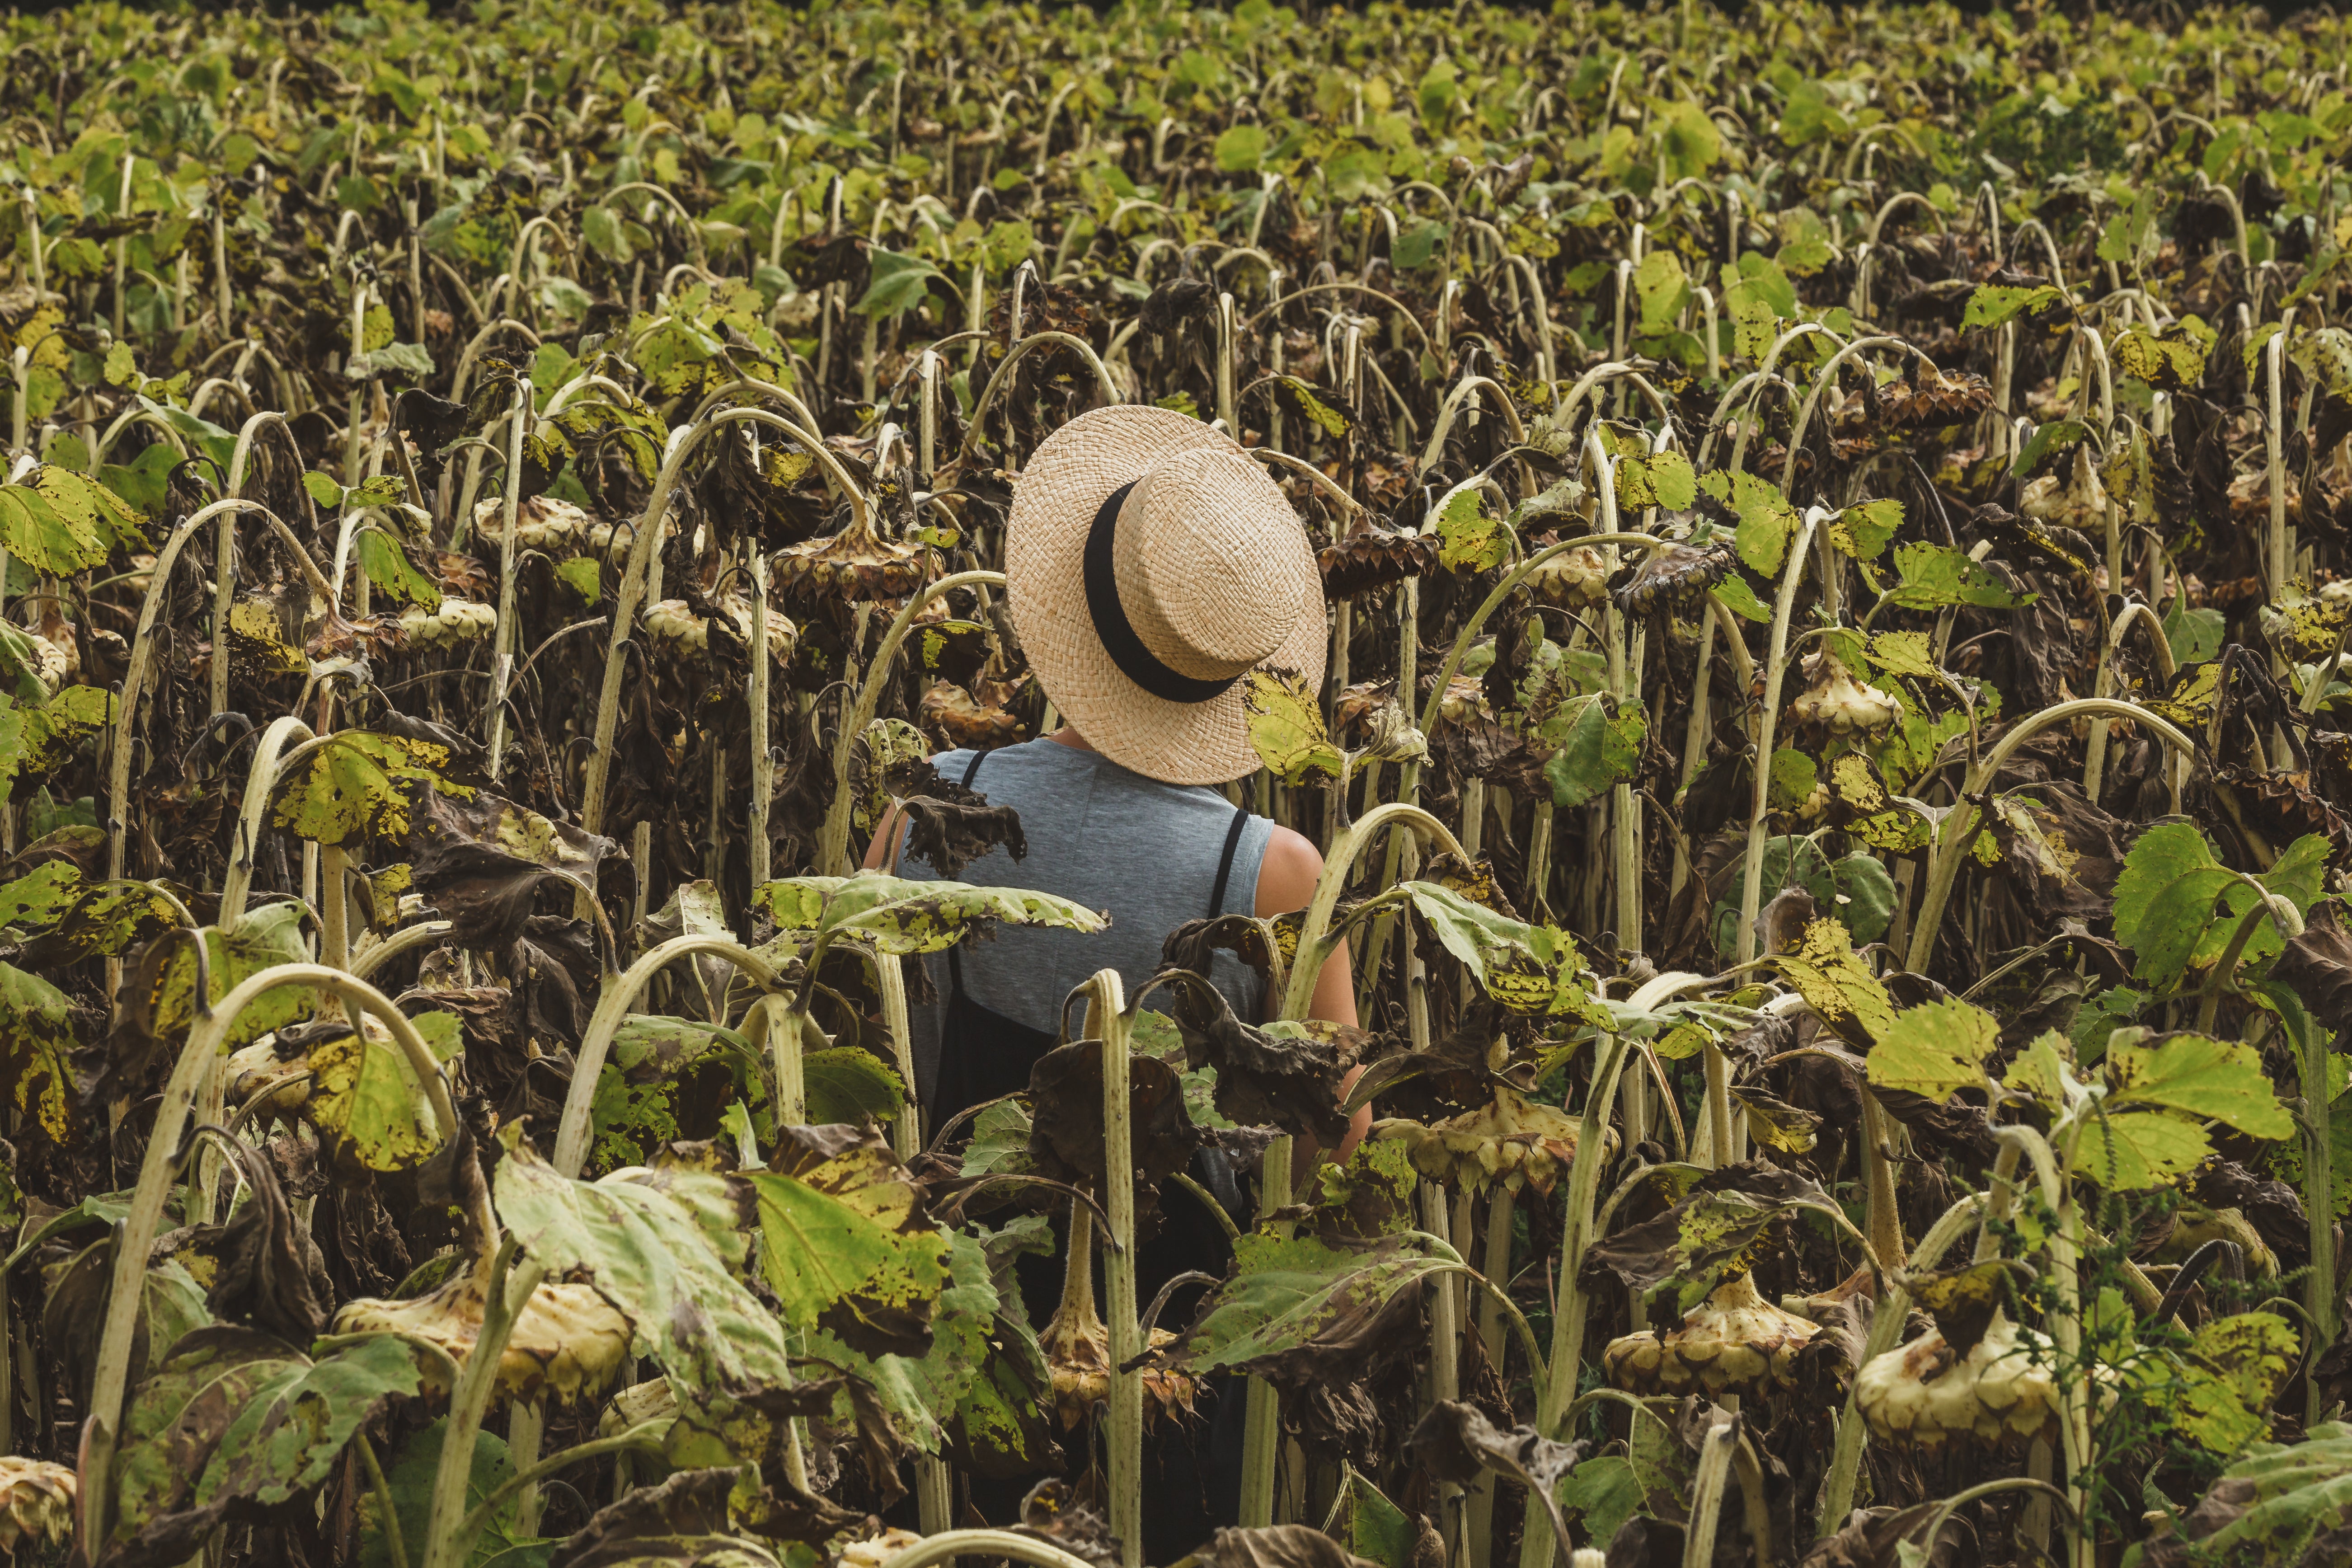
column 1834, row 775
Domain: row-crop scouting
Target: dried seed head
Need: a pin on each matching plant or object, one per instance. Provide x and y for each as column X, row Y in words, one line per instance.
column 1835, row 701
column 567, row 1341
column 1733, row 1343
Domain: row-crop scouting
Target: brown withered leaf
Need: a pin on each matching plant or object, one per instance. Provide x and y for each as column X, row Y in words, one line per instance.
column 1065, row 1133
column 1289, row 1081
column 2060, row 854
column 1871, row 1538
column 479, row 863
column 678, row 1522
column 2318, row 966
column 1455, row 1443
column 267, row 1269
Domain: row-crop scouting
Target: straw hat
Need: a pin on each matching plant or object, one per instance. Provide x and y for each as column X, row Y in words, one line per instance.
column 1149, row 563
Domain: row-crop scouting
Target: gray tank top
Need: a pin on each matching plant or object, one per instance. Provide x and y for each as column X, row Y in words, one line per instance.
column 1108, row 838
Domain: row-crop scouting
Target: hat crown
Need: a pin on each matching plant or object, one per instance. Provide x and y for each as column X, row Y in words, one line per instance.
column 1189, row 563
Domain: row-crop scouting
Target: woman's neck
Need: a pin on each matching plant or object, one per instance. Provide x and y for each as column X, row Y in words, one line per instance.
column 1070, row 737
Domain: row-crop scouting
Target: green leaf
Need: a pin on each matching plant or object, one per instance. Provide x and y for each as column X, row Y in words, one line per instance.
column 900, row 916
column 2219, row 1394
column 410, row 1477
column 584, row 575
column 846, row 1084
column 1934, row 575
column 40, row 898
column 364, row 1102
column 1604, row 1493
column 1526, row 968
column 1469, row 540
column 849, row 1248
column 1285, row 726
column 1240, row 148
column 1288, row 1293
column 2133, row 1150
column 1740, row 599
column 1839, row 987
column 234, row 1416
column 1993, row 305
column 1864, row 530
column 63, row 522
column 266, row 937
column 1378, row 1531
column 1935, row 1049
column 1904, row 653
column 649, row 1253
column 386, row 561
column 2201, row 1078
column 1767, row 521
column 985, row 1366
column 1661, row 286
column 37, row 1047
column 1331, row 421
column 1603, row 747
column 362, row 785
column 896, row 285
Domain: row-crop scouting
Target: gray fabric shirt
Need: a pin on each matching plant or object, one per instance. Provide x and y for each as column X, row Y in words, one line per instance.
column 1108, row 838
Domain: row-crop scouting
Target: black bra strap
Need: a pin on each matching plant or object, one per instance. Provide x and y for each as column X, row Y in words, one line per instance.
column 1225, row 862
column 972, row 767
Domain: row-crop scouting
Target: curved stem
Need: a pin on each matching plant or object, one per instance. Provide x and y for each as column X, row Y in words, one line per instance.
column 260, row 783
column 833, row 847
column 641, row 546
column 2268, row 906
column 612, row 1009
column 1954, row 833
column 134, row 680
column 643, row 1437
column 1314, row 943
column 197, row 1060
column 1004, row 373
column 984, row 1543
column 398, row 942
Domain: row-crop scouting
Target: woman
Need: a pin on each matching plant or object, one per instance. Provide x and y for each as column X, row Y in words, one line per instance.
column 1149, row 564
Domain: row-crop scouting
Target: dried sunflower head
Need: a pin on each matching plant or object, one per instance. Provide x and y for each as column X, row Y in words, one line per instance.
column 856, row 562
column 1077, row 1350
column 568, row 1341
column 1577, row 578
column 1835, row 701
column 456, row 621
column 1943, row 397
column 1735, row 1342
column 1370, row 559
column 39, row 1498
column 1680, row 574
column 1510, row 1139
column 675, row 622
column 2000, row 1391
column 542, row 523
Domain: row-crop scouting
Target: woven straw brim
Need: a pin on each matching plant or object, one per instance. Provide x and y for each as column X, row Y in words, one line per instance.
column 1054, row 500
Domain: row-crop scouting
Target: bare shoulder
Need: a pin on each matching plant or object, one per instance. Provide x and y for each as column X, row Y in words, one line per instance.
column 1287, row 874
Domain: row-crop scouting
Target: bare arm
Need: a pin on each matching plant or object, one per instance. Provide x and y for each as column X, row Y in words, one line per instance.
column 1285, row 881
